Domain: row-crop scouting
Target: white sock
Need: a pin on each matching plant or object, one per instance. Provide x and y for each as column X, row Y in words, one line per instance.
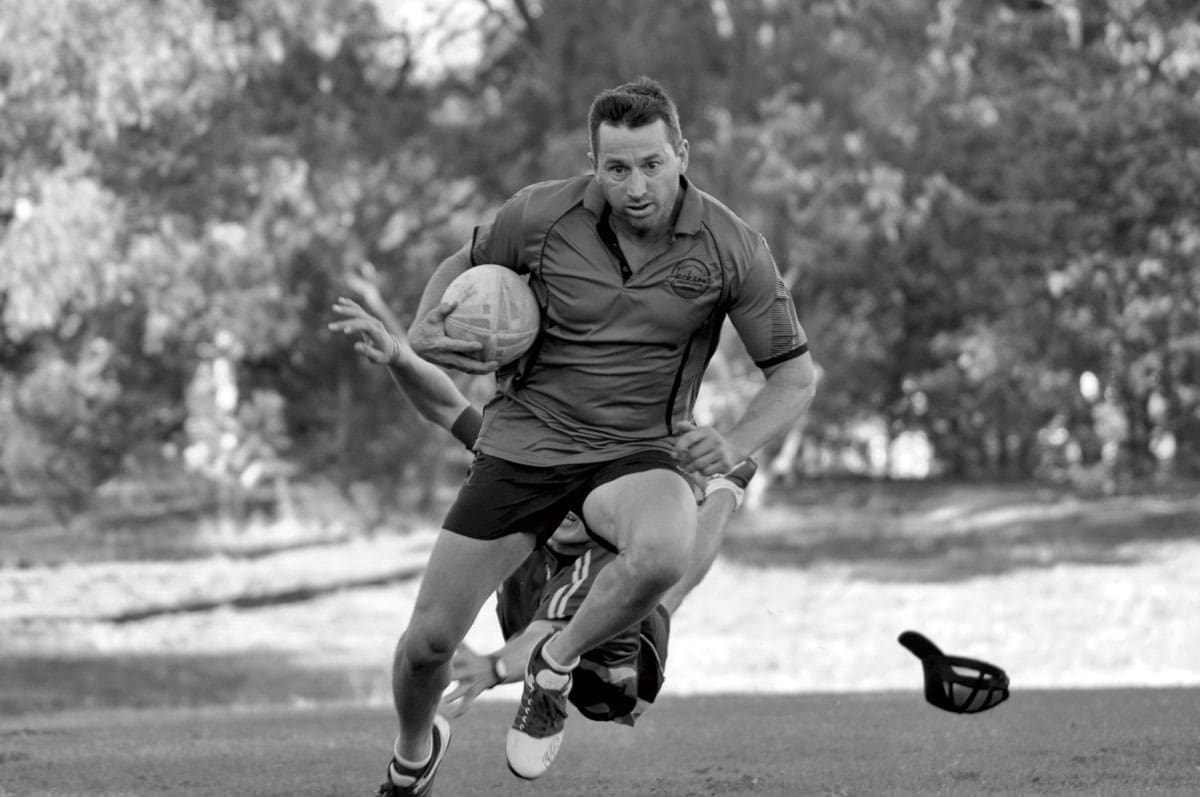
column 554, row 665
column 414, row 766
column 720, row 483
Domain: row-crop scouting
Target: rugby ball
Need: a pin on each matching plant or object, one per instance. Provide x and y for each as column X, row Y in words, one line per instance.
column 496, row 307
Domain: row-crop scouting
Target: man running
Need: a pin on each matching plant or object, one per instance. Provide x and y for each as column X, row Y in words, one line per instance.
column 620, row 678
column 636, row 270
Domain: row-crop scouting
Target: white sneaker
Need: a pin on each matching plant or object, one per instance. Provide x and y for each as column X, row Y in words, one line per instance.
column 537, row 730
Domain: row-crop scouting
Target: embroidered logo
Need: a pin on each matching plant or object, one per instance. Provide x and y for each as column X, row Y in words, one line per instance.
column 690, row 278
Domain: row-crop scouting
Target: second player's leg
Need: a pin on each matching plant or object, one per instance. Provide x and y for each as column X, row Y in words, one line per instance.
column 650, row 517
column 713, row 516
column 461, row 574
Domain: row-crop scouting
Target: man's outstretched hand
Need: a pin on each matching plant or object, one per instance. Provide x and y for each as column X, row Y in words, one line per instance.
column 378, row 344
column 474, row 673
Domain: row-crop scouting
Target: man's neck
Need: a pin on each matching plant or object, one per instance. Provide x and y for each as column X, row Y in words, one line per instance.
column 643, row 239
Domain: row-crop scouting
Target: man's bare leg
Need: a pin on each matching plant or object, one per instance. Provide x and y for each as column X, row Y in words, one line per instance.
column 650, row 517
column 461, row 574
column 713, row 516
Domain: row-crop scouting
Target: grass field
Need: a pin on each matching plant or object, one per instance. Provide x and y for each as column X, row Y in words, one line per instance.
column 1098, row 743
column 138, row 664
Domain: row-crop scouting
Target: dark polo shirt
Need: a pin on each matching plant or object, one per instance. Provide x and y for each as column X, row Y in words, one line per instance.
column 623, row 353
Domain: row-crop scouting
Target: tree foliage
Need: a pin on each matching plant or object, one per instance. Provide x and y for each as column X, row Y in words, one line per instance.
column 976, row 205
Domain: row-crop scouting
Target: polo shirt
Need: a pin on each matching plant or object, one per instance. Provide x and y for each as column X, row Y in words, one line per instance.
column 621, row 354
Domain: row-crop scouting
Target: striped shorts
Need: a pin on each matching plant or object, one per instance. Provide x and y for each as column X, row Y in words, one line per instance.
column 615, row 681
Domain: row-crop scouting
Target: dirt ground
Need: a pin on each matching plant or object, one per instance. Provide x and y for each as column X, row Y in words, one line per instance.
column 1123, row 743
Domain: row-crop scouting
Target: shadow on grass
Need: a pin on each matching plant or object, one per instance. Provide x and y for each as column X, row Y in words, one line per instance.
column 45, row 685
column 902, row 534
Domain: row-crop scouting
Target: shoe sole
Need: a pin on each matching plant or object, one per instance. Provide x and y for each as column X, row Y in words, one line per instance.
column 519, row 775
column 552, row 751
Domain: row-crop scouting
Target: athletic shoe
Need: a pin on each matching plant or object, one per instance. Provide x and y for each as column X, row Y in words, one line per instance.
column 422, row 779
column 537, row 730
column 743, row 472
column 734, row 481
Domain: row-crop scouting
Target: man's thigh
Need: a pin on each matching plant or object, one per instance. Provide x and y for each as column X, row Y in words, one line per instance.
column 462, row 572
column 642, row 509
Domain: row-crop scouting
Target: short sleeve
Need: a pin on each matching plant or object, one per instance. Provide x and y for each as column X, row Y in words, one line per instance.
column 501, row 241
column 764, row 314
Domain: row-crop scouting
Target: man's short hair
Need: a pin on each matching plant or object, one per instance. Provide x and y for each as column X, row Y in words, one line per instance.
column 634, row 104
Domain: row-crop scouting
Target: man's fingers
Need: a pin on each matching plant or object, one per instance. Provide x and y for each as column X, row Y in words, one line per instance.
column 694, row 443
column 372, row 353
column 365, row 281
column 361, row 326
column 467, row 365
column 458, row 346
column 439, row 313
column 346, row 324
column 350, row 311
column 344, row 305
column 457, row 692
column 456, row 710
column 711, row 463
column 459, row 700
column 453, row 353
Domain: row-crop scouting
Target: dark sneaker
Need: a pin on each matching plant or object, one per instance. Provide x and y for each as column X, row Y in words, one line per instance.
column 537, row 731
column 419, row 782
column 735, row 481
column 742, row 472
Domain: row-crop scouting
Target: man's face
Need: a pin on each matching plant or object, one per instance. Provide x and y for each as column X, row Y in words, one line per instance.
column 639, row 170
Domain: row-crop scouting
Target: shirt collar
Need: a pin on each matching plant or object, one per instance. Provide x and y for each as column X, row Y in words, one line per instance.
column 691, row 211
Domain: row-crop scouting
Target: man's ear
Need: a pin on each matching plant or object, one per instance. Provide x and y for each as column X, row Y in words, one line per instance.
column 682, row 152
column 592, row 161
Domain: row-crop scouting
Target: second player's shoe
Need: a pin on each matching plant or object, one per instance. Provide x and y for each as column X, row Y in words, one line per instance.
column 537, row 730
column 418, row 783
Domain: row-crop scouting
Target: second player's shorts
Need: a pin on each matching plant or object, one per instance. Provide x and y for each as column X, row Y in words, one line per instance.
column 615, row 681
column 499, row 498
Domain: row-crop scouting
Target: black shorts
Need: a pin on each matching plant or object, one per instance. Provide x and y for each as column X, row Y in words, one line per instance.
column 499, row 498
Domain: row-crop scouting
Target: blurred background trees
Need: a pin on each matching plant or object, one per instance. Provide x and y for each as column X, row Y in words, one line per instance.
column 985, row 211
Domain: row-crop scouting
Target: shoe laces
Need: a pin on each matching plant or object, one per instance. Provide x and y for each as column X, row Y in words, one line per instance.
column 543, row 712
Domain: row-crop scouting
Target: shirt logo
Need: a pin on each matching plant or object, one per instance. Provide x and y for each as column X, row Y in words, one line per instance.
column 690, row 278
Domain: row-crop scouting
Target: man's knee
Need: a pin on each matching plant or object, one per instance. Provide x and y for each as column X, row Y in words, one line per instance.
column 425, row 644
column 656, row 565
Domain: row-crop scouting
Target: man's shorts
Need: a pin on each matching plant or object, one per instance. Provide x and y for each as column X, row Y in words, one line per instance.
column 615, row 681
column 499, row 498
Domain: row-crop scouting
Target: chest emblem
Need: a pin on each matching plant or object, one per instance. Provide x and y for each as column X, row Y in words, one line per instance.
column 690, row 278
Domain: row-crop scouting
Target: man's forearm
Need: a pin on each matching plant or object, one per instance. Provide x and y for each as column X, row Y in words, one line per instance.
column 776, row 407
column 441, row 278
column 430, row 389
column 710, row 526
column 515, row 653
